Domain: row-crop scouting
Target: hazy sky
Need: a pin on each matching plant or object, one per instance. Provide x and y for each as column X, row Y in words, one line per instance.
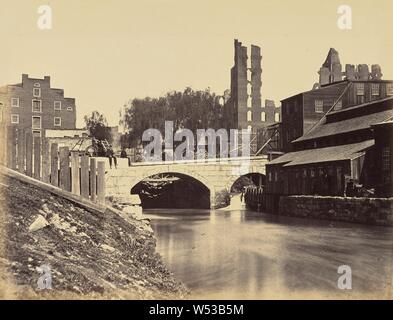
column 105, row 52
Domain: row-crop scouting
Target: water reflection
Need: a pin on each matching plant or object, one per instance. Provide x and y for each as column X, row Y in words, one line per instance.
column 240, row 254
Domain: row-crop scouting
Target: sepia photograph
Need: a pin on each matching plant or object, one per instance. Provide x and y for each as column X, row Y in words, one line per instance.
column 173, row 150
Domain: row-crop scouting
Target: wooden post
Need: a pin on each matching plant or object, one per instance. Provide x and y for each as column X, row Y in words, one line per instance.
column 54, row 165
column 3, row 144
column 75, row 183
column 29, row 153
column 11, row 148
column 21, row 150
column 45, row 160
column 93, row 179
column 85, row 176
column 101, row 182
column 65, row 169
column 37, row 158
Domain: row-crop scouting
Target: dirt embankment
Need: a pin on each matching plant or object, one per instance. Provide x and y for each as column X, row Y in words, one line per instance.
column 90, row 254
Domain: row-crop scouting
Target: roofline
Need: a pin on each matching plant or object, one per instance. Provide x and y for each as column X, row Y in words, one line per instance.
column 336, row 83
column 322, row 87
column 359, row 106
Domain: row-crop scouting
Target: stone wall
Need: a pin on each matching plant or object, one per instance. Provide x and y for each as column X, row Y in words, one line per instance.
column 376, row 211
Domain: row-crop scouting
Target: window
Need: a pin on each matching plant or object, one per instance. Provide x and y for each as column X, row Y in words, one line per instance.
column 270, row 176
column 249, row 128
column 360, row 89
column 57, row 105
column 57, row 121
column 36, row 133
column 338, row 105
column 15, row 102
column 36, row 92
column 320, row 171
column 37, row 85
column 249, row 116
column 375, row 89
column 304, row 173
column 277, row 117
column 360, row 99
column 249, row 102
column 15, row 118
column 312, row 172
column 36, row 105
column 275, row 175
column 36, row 122
column 386, row 159
column 69, row 108
column 263, row 116
column 389, row 89
column 319, row 106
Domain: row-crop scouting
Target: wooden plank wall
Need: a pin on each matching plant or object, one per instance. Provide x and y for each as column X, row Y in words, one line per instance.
column 38, row 158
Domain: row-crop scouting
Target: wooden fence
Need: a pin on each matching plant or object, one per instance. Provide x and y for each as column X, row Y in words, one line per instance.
column 45, row 161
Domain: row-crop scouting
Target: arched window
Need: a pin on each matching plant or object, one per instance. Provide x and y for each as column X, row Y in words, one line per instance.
column 249, row 128
column 263, row 116
column 249, row 116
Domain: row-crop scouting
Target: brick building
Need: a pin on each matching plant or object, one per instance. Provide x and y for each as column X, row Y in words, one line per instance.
column 336, row 90
column 33, row 104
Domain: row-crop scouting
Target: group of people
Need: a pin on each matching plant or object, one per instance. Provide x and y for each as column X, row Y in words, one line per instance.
column 112, row 158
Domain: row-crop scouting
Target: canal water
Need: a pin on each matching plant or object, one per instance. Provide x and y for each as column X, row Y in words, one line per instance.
column 235, row 253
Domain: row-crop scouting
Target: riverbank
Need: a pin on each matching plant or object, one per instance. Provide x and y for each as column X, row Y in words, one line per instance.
column 92, row 255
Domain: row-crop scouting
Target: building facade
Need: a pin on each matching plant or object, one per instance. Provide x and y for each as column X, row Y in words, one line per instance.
column 34, row 105
column 336, row 90
column 383, row 133
column 347, row 145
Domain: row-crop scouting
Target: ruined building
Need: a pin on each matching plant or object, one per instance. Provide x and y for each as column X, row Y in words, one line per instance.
column 331, row 70
column 336, row 90
column 244, row 108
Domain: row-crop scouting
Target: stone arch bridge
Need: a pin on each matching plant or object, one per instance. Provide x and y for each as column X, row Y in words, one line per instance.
column 217, row 175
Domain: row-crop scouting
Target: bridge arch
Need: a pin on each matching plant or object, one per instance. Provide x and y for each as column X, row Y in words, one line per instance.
column 189, row 191
column 235, row 183
column 159, row 170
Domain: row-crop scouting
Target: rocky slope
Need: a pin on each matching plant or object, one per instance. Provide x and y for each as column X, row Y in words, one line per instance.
column 90, row 254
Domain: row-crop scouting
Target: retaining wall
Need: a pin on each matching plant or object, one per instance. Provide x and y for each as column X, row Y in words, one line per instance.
column 376, row 211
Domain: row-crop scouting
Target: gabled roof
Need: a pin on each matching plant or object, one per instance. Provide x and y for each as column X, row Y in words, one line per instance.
column 348, row 125
column 328, row 154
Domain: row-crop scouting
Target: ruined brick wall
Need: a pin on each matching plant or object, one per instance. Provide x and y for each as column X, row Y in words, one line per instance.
column 373, row 211
column 246, row 84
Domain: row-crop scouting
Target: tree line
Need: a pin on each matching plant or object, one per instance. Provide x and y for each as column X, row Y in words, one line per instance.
column 191, row 109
